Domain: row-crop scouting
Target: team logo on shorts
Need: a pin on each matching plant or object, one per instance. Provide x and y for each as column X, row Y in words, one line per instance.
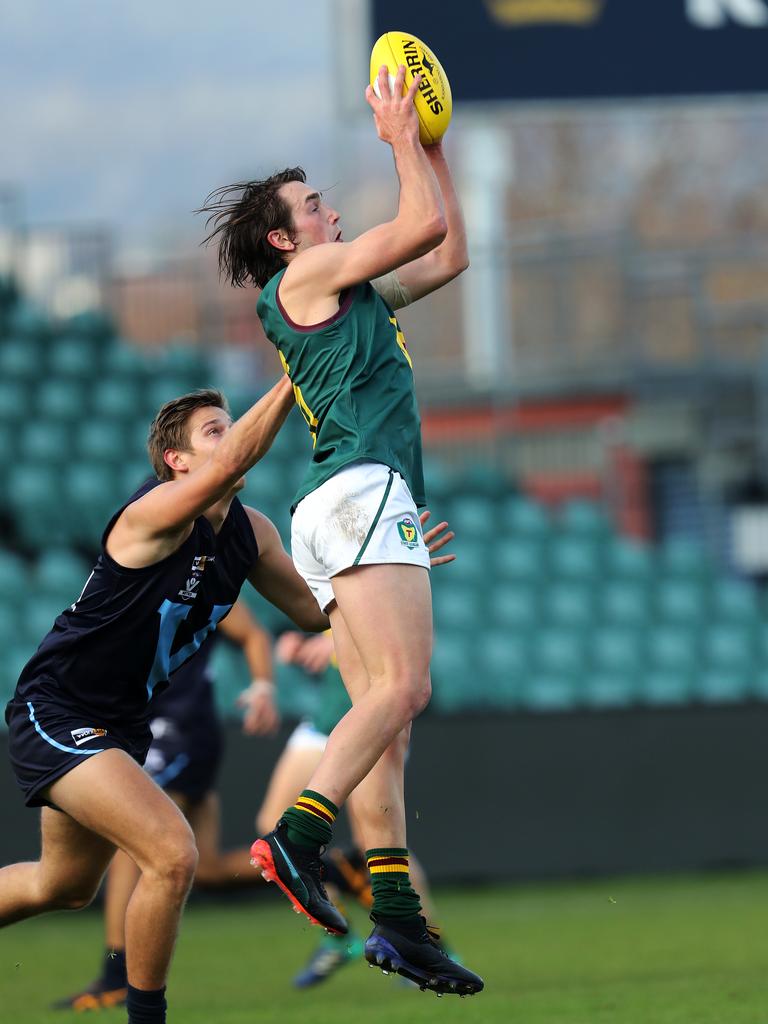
column 409, row 535
column 81, row 736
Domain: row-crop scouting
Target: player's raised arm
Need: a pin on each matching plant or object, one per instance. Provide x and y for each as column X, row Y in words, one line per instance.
column 205, row 472
column 275, row 577
column 451, row 257
column 418, row 227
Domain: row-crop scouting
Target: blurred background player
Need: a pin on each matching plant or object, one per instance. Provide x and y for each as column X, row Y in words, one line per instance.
column 346, row 870
column 355, row 536
column 184, row 760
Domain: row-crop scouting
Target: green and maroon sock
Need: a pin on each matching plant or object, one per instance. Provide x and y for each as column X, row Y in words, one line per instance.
column 310, row 820
column 393, row 894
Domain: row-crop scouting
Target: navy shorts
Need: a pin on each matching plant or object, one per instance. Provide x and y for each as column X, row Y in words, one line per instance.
column 46, row 740
column 184, row 758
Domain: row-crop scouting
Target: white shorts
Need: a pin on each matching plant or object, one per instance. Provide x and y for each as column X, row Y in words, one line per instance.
column 306, row 737
column 363, row 515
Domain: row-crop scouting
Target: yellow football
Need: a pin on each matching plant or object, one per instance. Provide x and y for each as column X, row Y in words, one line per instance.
column 433, row 100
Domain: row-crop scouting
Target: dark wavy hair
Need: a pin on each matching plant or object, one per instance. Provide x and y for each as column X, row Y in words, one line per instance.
column 242, row 216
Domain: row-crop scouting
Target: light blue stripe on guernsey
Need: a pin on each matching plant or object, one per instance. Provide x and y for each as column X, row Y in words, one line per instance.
column 55, row 743
column 171, row 617
column 176, row 767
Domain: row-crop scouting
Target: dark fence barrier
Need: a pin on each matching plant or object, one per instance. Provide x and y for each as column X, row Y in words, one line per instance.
column 524, row 796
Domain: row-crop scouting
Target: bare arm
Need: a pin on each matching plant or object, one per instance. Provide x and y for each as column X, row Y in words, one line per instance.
column 260, row 714
column 242, row 629
column 275, row 577
column 321, row 271
column 156, row 524
column 451, row 257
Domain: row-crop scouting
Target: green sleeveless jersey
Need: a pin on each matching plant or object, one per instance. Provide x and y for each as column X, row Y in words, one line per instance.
column 353, row 381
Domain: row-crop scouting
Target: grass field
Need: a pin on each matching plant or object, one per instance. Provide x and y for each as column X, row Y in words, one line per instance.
column 683, row 950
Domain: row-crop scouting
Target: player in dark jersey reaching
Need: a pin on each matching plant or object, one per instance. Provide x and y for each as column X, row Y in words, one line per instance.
column 173, row 560
column 355, row 535
column 184, row 759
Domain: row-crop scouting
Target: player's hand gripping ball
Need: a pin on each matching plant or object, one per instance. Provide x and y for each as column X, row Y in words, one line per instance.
column 433, row 100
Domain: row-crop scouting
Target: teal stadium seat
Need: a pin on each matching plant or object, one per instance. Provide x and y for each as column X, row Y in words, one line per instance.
column 683, row 558
column 60, row 399
column 574, row 558
column 735, row 601
column 15, row 656
column 628, row 560
column 8, row 446
column 558, row 651
column 14, row 574
column 38, row 616
column 664, row 687
column 125, row 360
column 456, row 607
column 470, row 517
column 501, row 662
column 441, row 484
column 91, row 498
column 74, row 356
column 680, row 600
column 550, row 693
column 118, row 398
column 624, row 602
column 14, row 402
column 568, row 604
column 162, row 388
column 131, row 475
column 722, row 685
column 32, row 491
column 673, row 648
column 518, row 559
column 27, row 320
column 453, row 673
column 522, row 517
column 102, row 440
column 583, row 518
column 729, row 646
column 20, row 360
column 137, row 433
column 474, row 562
column 617, row 650
column 512, row 604
column 60, row 574
column 605, row 690
column 44, row 441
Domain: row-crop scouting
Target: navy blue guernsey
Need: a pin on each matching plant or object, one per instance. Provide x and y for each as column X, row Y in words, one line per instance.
column 116, row 647
column 190, row 699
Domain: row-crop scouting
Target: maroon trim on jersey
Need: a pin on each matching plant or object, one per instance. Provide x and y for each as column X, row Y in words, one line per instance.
column 311, row 328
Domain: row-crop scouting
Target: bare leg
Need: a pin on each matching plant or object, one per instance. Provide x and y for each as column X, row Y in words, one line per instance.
column 289, row 777
column 121, row 881
column 149, row 827
column 217, row 867
column 387, row 612
column 72, row 862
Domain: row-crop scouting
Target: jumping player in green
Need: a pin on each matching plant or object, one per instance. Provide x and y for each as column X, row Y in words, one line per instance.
column 328, row 306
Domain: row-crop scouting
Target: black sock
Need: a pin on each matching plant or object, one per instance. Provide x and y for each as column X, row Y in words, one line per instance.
column 146, row 1007
column 411, row 927
column 113, row 972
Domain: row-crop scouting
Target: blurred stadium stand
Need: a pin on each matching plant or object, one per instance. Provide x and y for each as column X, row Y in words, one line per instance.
column 549, row 607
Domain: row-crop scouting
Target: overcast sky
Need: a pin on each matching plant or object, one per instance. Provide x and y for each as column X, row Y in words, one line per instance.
column 130, row 113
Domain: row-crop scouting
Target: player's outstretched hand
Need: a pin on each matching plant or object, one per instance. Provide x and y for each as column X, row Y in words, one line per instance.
column 261, row 717
column 436, row 538
column 394, row 113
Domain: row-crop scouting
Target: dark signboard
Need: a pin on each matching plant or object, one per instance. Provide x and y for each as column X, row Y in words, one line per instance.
column 581, row 49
